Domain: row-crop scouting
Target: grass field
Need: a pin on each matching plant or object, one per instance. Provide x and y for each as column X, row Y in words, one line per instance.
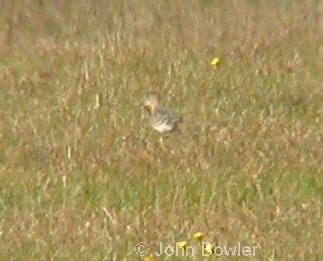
column 84, row 177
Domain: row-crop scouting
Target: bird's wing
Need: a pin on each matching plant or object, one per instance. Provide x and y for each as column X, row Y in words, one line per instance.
column 168, row 116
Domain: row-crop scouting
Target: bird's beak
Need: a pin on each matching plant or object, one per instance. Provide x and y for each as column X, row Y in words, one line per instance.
column 146, row 107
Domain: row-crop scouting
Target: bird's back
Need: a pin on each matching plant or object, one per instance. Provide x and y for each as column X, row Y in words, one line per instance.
column 164, row 119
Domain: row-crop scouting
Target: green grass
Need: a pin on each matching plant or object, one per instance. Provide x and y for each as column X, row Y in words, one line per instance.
column 84, row 177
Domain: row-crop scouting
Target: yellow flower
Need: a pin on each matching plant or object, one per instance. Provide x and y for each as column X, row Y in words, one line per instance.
column 209, row 249
column 215, row 63
column 149, row 258
column 199, row 236
column 182, row 244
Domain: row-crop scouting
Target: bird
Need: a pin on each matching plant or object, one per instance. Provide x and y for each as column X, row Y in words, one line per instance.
column 162, row 119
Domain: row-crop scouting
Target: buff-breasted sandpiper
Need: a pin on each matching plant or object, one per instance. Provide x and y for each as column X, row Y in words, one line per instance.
column 162, row 119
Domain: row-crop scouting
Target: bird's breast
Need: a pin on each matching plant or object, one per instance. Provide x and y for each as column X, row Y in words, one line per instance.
column 163, row 127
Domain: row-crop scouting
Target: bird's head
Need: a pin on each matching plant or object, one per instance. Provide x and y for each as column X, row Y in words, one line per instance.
column 151, row 101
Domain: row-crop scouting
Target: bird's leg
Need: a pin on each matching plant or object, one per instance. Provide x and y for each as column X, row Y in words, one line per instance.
column 162, row 143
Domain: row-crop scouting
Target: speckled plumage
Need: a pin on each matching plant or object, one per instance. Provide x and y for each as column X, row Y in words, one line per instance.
column 161, row 119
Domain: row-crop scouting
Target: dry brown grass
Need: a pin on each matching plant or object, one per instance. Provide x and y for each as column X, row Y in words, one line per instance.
column 84, row 177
